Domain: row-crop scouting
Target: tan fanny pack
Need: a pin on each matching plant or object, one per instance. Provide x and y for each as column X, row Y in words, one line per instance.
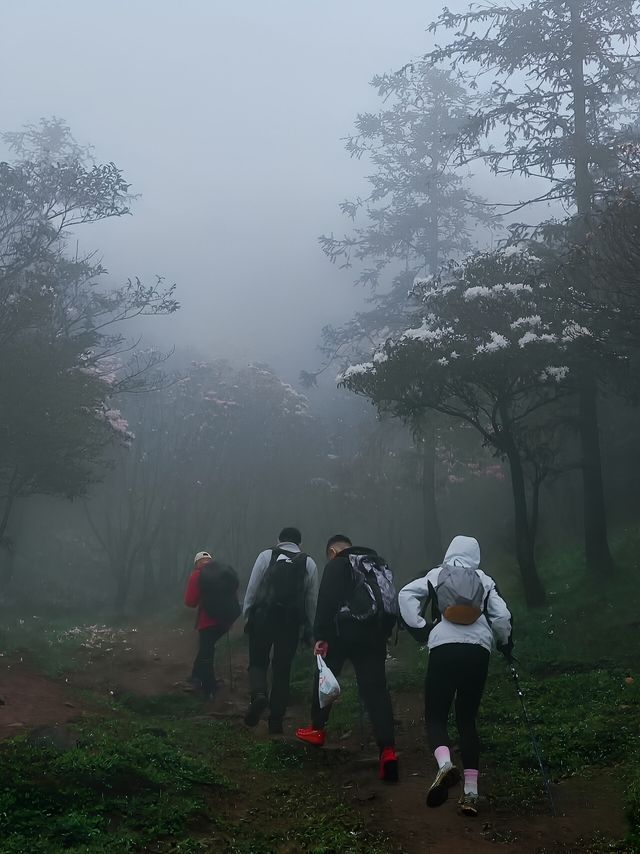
column 462, row 615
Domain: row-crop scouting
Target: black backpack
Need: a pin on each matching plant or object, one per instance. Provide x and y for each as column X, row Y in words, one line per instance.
column 219, row 592
column 373, row 600
column 282, row 593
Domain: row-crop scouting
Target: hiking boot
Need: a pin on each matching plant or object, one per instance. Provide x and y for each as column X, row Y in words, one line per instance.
column 275, row 726
column 446, row 777
column 389, row 765
column 468, row 804
column 311, row 736
column 256, row 707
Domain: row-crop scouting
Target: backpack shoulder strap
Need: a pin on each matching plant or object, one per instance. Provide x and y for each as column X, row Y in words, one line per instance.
column 436, row 616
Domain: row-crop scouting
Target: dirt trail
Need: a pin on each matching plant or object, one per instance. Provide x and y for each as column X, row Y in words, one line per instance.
column 157, row 662
column 28, row 700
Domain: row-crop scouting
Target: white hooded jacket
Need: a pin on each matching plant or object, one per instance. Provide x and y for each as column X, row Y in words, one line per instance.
column 463, row 552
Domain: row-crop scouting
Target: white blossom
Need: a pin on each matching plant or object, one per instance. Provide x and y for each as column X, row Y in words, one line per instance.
column 534, row 320
column 557, row 373
column 354, row 370
column 496, row 342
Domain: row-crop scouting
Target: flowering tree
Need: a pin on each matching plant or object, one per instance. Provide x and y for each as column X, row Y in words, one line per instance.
column 562, row 90
column 220, row 456
column 493, row 349
column 57, row 326
column 418, row 212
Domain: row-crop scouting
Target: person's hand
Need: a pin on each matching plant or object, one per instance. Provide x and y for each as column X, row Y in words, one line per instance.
column 321, row 648
column 506, row 649
column 421, row 633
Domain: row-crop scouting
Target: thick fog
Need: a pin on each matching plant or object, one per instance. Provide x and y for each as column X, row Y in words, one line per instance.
column 227, row 119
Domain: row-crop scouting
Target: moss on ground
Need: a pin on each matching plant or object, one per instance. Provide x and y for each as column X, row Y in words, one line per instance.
column 163, row 779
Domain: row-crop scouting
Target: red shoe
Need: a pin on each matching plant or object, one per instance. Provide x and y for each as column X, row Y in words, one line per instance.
column 389, row 765
column 311, row 736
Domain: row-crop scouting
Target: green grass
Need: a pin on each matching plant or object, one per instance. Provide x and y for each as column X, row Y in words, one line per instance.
column 122, row 778
column 158, row 776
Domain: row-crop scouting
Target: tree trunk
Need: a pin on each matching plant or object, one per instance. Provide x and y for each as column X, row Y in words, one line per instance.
column 123, row 579
column 533, row 590
column 6, row 566
column 431, row 523
column 597, row 554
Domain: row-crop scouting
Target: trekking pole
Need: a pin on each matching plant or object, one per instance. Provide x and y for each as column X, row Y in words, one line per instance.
column 532, row 736
column 230, row 667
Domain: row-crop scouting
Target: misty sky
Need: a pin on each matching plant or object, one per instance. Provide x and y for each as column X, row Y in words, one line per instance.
column 226, row 117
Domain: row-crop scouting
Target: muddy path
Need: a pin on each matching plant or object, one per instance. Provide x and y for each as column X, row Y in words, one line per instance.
column 151, row 661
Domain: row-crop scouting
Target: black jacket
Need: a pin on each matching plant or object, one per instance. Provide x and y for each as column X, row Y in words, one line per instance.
column 335, row 589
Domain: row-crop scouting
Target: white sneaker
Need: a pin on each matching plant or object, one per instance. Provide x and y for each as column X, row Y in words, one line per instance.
column 446, row 777
column 468, row 804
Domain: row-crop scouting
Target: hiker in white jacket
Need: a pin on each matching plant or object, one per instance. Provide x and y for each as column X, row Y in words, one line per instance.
column 466, row 614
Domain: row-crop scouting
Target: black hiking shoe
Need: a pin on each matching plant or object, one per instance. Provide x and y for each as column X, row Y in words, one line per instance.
column 468, row 804
column 446, row 777
column 256, row 707
column 275, row 727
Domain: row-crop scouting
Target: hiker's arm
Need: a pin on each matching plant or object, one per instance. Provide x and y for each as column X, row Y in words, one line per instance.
column 330, row 598
column 412, row 601
column 257, row 574
column 311, row 591
column 192, row 591
column 499, row 617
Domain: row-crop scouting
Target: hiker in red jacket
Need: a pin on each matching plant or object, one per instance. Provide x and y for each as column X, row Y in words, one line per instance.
column 214, row 621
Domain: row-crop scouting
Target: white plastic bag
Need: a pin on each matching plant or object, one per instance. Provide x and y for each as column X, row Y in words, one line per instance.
column 328, row 686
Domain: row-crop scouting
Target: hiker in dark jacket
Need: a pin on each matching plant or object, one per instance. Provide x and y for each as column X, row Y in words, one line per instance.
column 211, row 627
column 460, row 638
column 279, row 607
column 363, row 643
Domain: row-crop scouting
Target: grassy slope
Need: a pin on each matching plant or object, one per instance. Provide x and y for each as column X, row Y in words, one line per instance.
column 158, row 776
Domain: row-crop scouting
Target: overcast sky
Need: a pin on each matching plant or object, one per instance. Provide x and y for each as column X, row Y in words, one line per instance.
column 227, row 118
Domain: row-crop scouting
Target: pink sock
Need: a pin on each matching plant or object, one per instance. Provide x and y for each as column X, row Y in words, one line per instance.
column 442, row 755
column 471, row 781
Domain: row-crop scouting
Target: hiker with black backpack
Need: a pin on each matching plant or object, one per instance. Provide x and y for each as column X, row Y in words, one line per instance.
column 356, row 612
column 279, row 608
column 466, row 614
column 212, row 588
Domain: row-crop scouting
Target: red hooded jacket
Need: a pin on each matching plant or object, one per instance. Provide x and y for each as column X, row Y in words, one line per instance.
column 192, row 598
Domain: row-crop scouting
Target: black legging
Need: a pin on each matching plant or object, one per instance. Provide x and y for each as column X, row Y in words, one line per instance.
column 456, row 670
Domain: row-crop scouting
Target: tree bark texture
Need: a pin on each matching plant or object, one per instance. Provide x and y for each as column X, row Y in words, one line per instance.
column 597, row 553
column 431, row 523
column 533, row 590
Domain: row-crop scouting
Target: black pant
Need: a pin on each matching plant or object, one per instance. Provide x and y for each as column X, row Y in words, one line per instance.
column 369, row 664
column 456, row 670
column 203, row 665
column 281, row 637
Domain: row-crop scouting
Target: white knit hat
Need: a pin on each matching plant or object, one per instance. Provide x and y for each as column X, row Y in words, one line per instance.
column 201, row 556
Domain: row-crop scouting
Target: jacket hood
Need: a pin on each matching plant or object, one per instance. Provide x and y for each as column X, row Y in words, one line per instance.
column 288, row 547
column 463, row 551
